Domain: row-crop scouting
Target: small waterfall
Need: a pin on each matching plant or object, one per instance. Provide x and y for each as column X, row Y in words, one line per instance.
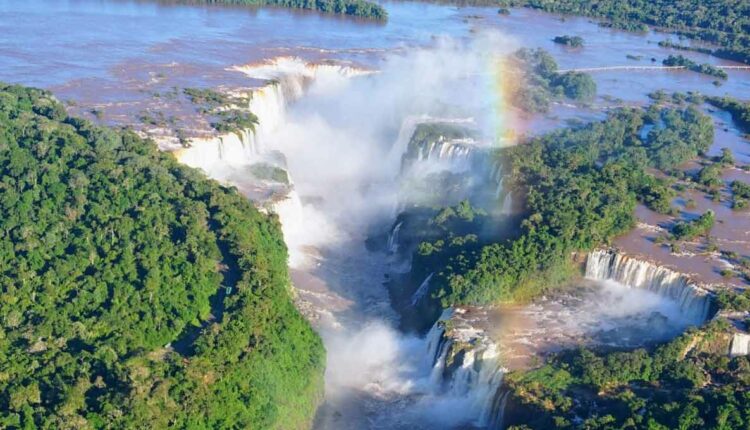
column 740, row 345
column 465, row 364
column 422, row 290
column 607, row 264
column 507, row 203
column 393, row 238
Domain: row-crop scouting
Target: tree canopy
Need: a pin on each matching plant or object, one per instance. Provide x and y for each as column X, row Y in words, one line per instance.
column 135, row 292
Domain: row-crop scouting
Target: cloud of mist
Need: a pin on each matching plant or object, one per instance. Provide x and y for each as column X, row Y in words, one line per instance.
column 341, row 138
column 343, row 143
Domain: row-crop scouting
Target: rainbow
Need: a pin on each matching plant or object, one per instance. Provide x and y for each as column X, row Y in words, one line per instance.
column 504, row 119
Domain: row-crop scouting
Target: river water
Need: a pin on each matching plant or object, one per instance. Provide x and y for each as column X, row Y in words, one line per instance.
column 118, row 57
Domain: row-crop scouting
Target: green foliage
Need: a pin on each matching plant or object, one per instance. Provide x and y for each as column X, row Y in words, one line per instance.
column 706, row 69
column 576, row 85
column 355, row 8
column 230, row 113
column 683, row 136
column 665, row 388
column 656, row 194
column 710, row 176
column 740, row 111
column 110, row 251
column 733, row 300
column 581, row 187
column 722, row 22
column 726, row 158
column 572, row 41
column 543, row 84
column 688, row 230
column 740, row 195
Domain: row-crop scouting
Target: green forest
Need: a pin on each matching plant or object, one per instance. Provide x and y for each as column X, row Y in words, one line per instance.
column 354, row 8
column 725, row 23
column 543, row 84
column 580, row 187
column 135, row 292
column 687, row 383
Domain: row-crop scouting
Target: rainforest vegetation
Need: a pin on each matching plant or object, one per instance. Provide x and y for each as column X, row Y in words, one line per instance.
column 355, row 8
column 581, row 186
column 135, row 293
column 739, row 110
column 572, row 41
column 725, row 23
column 706, row 69
column 543, row 84
column 688, row 383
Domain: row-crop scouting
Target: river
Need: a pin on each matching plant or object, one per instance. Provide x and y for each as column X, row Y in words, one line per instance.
column 342, row 139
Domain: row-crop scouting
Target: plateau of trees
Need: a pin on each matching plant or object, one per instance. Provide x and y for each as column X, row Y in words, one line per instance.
column 355, row 8
column 725, row 23
column 581, row 186
column 543, row 84
column 134, row 292
column 688, row 383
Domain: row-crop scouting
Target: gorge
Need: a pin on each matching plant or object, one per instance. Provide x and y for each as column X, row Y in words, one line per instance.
column 467, row 261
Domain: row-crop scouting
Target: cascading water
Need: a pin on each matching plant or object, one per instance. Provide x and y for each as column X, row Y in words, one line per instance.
column 339, row 144
column 465, row 365
column 288, row 78
column 422, row 290
column 393, row 238
column 694, row 301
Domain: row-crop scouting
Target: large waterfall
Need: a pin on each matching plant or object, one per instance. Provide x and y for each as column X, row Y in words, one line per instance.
column 286, row 80
column 465, row 365
column 608, row 264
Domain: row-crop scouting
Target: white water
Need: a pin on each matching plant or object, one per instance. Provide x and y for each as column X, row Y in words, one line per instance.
column 465, row 366
column 694, row 302
column 422, row 290
column 740, row 345
column 339, row 131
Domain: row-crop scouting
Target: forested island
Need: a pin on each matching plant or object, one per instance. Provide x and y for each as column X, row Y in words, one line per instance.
column 355, row 8
column 725, row 23
column 137, row 291
column 543, row 84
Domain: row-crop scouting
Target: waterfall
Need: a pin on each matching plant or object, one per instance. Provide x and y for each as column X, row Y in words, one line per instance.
column 422, row 290
column 287, row 79
column 393, row 238
column 507, row 203
column 740, row 345
column 465, row 365
column 607, row 264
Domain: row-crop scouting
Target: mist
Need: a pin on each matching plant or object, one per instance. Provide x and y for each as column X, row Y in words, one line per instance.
column 343, row 142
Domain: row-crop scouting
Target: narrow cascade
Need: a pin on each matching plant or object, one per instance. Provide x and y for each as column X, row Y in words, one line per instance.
column 507, row 203
column 608, row 264
column 465, row 365
column 499, row 190
column 740, row 345
column 393, row 238
column 422, row 290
